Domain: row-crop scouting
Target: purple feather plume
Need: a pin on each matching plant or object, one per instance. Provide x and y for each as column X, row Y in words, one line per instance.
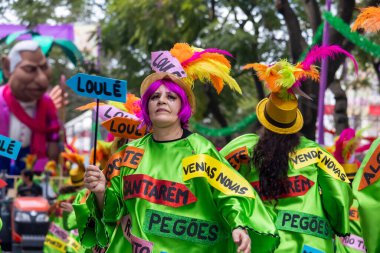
column 197, row 55
column 318, row 53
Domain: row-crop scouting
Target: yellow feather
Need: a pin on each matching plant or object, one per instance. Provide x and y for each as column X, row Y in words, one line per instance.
column 204, row 70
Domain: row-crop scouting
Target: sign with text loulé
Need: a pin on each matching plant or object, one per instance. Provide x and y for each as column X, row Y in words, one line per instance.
column 9, row 147
column 163, row 61
column 98, row 87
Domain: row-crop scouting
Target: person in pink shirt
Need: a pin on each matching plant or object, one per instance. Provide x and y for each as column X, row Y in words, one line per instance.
column 27, row 113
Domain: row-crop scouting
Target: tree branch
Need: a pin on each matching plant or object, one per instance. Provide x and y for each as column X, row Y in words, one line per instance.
column 314, row 14
column 297, row 42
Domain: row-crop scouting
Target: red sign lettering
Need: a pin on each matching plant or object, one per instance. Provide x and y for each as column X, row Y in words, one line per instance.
column 162, row 192
column 293, row 187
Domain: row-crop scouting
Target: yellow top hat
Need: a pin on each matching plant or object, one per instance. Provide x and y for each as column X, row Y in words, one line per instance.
column 76, row 177
column 279, row 116
column 77, row 173
column 350, row 169
column 280, row 112
column 163, row 75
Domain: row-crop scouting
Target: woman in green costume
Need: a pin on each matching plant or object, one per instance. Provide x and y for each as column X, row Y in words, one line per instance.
column 63, row 234
column 366, row 187
column 175, row 192
column 344, row 152
column 301, row 184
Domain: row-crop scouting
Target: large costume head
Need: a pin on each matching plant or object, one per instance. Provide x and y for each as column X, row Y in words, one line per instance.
column 27, row 70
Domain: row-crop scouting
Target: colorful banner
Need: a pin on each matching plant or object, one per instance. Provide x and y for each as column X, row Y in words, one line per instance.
column 354, row 241
column 237, row 157
column 107, row 112
column 325, row 161
column 125, row 128
column 157, row 191
column 9, row 147
column 371, row 171
column 55, row 243
column 304, row 223
column 98, row 87
column 219, row 175
column 138, row 244
column 163, row 61
column 293, row 187
column 181, row 227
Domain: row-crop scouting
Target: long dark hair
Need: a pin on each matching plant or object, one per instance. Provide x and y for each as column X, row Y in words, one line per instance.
column 271, row 159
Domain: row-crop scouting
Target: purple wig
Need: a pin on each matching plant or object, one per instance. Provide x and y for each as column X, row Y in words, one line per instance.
column 185, row 111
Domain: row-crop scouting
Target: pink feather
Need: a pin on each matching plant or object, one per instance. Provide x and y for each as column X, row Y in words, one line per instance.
column 318, row 53
column 197, row 55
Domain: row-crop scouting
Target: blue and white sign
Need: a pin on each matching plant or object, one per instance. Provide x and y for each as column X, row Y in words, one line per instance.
column 9, row 147
column 98, row 87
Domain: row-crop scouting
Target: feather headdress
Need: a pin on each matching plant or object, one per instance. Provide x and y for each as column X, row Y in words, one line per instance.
column 103, row 153
column 74, row 159
column 30, row 160
column 206, row 65
column 368, row 20
column 284, row 78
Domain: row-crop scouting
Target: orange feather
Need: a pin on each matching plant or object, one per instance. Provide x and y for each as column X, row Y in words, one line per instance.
column 368, row 20
column 88, row 106
column 217, row 83
column 181, row 51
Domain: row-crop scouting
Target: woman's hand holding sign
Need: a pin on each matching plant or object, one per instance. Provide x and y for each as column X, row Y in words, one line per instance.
column 95, row 181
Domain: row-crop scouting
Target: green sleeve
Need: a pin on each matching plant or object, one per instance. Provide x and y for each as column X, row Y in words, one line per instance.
column 336, row 198
column 69, row 221
column 85, row 221
column 366, row 187
column 249, row 213
column 105, row 221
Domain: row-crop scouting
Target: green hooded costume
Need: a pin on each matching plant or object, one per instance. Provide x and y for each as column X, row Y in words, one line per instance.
column 366, row 188
column 178, row 196
column 315, row 203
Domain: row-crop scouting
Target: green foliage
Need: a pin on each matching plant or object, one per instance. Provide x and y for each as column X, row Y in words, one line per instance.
column 32, row 13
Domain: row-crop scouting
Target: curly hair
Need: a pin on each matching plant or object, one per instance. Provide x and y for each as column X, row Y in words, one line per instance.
column 271, row 158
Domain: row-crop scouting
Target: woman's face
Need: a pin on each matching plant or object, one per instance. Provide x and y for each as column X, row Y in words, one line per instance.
column 164, row 106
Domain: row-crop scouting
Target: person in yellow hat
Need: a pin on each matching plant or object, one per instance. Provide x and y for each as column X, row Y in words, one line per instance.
column 345, row 147
column 301, row 184
column 174, row 192
column 63, row 235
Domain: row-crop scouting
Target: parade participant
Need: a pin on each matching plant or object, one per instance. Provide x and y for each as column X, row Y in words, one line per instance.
column 288, row 170
column 62, row 235
column 344, row 152
column 82, row 215
column 366, row 185
column 27, row 113
column 174, row 192
column 28, row 187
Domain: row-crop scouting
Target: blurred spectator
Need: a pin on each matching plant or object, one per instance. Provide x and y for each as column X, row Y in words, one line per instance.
column 28, row 187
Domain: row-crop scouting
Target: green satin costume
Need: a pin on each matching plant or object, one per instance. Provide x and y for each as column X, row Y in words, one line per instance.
column 158, row 211
column 305, row 217
column 353, row 243
column 366, row 188
column 63, row 235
